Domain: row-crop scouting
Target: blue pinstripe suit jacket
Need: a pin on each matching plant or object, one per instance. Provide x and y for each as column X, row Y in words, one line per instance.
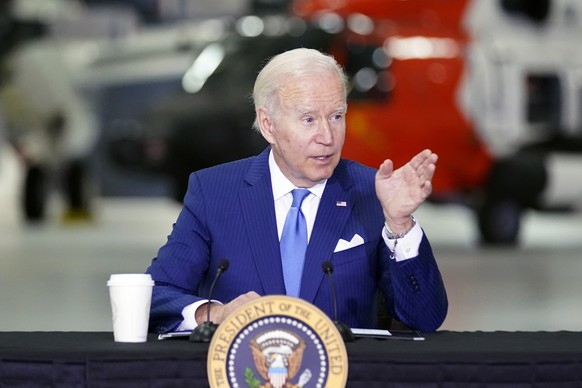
column 229, row 213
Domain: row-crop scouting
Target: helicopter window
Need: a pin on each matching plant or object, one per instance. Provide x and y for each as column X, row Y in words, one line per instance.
column 368, row 69
column 534, row 10
column 543, row 100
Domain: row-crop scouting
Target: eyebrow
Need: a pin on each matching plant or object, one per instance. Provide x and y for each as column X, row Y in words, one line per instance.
column 341, row 109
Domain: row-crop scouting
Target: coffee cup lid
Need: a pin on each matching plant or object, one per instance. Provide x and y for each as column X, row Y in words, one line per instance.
column 130, row 279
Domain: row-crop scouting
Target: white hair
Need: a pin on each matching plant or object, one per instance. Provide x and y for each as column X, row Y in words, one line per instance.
column 291, row 64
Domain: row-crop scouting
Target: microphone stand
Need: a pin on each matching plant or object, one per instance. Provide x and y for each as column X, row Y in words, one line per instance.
column 205, row 331
column 343, row 329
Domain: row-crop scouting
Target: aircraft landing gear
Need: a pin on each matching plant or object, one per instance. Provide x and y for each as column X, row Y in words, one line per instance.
column 34, row 197
column 499, row 222
column 514, row 185
column 76, row 187
column 78, row 192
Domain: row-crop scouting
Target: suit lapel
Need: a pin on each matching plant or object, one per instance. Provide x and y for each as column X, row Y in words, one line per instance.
column 329, row 223
column 257, row 206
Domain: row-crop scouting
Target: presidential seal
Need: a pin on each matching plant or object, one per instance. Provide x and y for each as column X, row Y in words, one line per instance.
column 277, row 341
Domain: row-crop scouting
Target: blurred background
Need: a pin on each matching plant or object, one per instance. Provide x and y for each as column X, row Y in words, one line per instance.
column 107, row 106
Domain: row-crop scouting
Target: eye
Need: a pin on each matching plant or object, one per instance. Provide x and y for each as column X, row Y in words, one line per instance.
column 337, row 117
column 308, row 119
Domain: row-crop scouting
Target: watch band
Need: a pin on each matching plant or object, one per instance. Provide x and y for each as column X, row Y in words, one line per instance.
column 394, row 236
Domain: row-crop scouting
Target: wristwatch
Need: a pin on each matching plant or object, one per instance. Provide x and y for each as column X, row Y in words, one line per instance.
column 393, row 236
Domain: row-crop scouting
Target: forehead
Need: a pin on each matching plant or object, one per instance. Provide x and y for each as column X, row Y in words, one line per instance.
column 310, row 89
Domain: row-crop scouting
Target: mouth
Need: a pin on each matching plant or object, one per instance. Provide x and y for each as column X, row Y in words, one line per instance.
column 322, row 158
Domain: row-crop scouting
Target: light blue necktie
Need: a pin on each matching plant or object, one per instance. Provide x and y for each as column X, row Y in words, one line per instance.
column 293, row 243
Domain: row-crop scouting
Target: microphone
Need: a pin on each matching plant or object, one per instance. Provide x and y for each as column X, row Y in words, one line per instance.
column 343, row 329
column 205, row 331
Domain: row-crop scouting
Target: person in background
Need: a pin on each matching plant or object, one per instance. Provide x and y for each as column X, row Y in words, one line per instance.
column 358, row 218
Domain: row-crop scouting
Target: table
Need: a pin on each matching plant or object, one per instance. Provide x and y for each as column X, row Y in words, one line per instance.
column 463, row 359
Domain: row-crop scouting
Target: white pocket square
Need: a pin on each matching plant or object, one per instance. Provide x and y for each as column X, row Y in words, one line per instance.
column 342, row 244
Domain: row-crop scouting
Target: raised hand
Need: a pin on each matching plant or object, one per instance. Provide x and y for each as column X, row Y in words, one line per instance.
column 402, row 191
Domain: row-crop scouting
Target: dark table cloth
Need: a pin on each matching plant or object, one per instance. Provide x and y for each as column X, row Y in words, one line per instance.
column 444, row 359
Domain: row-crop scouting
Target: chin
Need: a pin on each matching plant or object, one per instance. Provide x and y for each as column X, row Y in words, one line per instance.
column 322, row 175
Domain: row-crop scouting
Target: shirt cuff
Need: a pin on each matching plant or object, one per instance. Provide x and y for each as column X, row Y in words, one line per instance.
column 189, row 315
column 407, row 246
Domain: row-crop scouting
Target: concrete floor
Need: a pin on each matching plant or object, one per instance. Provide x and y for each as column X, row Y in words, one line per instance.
column 53, row 276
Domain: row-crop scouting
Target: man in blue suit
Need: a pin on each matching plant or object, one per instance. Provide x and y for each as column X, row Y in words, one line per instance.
column 357, row 218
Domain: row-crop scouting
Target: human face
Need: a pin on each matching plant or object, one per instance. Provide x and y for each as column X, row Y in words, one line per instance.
column 308, row 130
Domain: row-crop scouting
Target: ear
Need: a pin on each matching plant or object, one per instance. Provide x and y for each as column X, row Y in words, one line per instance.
column 265, row 124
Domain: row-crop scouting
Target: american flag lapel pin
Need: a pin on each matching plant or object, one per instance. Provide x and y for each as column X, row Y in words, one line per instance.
column 341, row 203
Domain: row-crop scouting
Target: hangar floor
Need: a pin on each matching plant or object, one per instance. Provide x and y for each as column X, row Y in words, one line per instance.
column 53, row 276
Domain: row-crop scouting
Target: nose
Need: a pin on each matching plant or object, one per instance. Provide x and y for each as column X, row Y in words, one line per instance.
column 324, row 134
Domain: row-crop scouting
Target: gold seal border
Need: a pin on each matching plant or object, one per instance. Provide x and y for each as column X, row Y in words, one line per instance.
column 277, row 305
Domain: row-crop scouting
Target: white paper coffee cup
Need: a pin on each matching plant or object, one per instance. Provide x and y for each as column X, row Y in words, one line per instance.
column 131, row 296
